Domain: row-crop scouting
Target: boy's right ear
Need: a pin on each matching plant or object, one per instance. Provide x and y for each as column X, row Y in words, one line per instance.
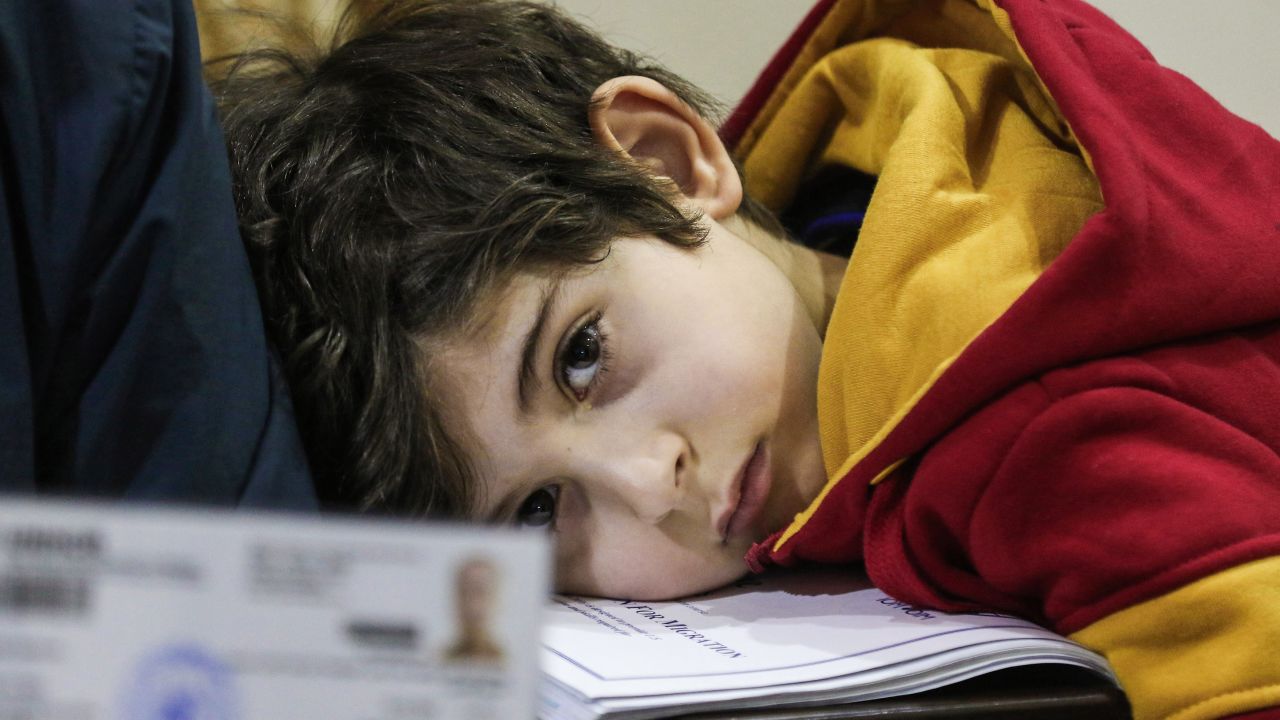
column 640, row 118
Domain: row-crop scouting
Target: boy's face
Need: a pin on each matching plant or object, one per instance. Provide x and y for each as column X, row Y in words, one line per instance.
column 656, row 411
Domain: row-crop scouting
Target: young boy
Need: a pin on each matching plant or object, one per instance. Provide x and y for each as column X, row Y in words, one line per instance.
column 516, row 277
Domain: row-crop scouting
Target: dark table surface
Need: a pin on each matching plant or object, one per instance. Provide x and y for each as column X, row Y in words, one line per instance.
column 1043, row 692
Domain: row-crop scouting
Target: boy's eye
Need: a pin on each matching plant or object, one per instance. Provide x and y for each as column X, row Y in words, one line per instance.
column 582, row 359
column 539, row 509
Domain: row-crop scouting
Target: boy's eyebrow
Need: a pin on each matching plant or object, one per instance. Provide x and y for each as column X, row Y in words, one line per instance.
column 529, row 353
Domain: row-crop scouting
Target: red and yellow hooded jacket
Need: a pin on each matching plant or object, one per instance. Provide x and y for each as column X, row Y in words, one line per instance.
column 1051, row 381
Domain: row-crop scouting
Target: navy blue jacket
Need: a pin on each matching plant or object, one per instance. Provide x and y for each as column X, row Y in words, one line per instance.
column 133, row 360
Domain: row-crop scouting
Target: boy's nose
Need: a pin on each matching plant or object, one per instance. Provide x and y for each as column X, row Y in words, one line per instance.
column 650, row 481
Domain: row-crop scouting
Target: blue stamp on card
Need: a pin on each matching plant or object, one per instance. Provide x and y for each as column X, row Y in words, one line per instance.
column 180, row 682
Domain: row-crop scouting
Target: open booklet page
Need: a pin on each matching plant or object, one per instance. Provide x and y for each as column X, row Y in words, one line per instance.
column 786, row 637
column 109, row 613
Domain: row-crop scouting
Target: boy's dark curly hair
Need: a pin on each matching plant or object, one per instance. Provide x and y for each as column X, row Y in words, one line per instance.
column 387, row 183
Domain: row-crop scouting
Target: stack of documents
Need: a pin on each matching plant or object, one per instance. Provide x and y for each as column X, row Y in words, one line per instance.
column 804, row 638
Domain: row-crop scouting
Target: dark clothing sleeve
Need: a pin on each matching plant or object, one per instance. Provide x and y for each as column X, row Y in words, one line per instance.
column 133, row 360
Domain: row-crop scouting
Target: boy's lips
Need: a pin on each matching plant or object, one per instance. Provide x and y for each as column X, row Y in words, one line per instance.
column 747, row 495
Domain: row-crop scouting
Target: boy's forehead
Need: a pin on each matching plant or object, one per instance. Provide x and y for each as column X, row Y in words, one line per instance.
column 471, row 363
column 468, row 362
column 513, row 301
column 474, row 370
column 500, row 311
column 473, row 373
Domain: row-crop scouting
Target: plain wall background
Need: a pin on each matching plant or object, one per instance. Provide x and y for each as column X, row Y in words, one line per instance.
column 1227, row 46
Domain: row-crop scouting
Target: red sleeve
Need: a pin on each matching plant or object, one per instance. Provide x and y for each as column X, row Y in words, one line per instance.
column 1134, row 502
column 1094, row 488
column 1116, row 495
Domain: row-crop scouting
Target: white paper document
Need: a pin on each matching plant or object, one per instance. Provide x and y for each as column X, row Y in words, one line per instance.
column 150, row 614
column 806, row 637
